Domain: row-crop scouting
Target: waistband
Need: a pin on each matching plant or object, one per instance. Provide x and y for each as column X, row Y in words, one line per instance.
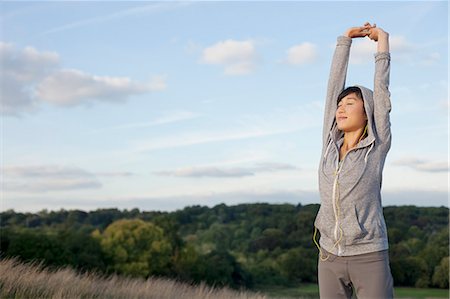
column 365, row 257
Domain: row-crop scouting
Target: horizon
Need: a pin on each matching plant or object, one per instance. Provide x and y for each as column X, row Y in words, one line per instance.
column 194, row 205
column 162, row 105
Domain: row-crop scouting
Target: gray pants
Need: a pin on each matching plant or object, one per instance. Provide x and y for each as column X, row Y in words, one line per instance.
column 368, row 274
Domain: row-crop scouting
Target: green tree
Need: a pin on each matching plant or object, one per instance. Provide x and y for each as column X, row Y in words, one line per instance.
column 186, row 263
column 297, row 266
column 440, row 276
column 28, row 245
column 410, row 271
column 136, row 247
column 221, row 268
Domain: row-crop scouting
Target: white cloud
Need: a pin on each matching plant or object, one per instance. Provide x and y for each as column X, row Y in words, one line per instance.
column 30, row 179
column 238, row 57
column 362, row 51
column 226, row 172
column 115, row 174
column 28, row 64
column 423, row 165
column 72, row 87
column 302, row 54
column 49, row 178
column 20, row 71
column 30, row 77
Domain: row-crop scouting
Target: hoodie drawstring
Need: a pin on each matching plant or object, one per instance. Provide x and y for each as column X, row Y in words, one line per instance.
column 365, row 158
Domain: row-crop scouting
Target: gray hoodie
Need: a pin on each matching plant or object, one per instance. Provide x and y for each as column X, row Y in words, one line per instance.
column 350, row 218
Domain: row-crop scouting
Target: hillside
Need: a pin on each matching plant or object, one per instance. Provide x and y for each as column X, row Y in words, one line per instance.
column 249, row 245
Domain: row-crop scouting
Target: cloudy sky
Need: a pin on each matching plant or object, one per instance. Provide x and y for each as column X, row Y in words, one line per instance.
column 161, row 105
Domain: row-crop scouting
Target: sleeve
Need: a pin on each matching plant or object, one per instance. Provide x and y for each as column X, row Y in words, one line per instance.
column 336, row 82
column 381, row 98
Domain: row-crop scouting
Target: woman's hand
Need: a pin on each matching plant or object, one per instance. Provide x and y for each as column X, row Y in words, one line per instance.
column 381, row 37
column 375, row 33
column 359, row 31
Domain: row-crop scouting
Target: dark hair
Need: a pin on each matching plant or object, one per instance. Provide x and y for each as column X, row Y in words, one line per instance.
column 349, row 90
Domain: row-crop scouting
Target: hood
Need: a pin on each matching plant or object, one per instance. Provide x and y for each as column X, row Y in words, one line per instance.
column 337, row 134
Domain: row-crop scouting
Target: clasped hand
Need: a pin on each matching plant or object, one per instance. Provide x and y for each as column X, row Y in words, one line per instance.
column 373, row 32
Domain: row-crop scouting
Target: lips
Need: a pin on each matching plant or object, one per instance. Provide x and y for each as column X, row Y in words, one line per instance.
column 342, row 118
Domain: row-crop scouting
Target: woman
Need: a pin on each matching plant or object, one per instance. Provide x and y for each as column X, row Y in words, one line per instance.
column 353, row 251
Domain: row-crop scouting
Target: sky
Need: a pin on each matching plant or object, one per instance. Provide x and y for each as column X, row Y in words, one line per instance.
column 163, row 105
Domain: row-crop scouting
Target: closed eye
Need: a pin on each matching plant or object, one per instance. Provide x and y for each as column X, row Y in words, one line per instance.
column 347, row 104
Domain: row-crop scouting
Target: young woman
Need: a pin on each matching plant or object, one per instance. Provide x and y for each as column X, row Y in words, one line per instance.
column 353, row 251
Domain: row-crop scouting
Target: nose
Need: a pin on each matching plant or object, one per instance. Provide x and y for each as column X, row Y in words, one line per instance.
column 341, row 109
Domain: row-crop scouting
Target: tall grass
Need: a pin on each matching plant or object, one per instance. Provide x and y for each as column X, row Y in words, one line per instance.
column 32, row 280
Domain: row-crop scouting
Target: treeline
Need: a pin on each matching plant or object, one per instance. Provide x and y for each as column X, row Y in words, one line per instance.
column 238, row 246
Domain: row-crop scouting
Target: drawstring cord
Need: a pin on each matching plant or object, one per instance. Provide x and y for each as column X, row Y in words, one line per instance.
column 337, row 204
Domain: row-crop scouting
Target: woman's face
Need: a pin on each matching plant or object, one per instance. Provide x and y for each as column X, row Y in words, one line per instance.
column 350, row 114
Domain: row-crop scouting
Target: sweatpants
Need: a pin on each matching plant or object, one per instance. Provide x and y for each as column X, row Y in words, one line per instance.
column 368, row 274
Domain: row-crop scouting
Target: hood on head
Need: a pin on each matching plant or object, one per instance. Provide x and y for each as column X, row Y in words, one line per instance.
column 369, row 108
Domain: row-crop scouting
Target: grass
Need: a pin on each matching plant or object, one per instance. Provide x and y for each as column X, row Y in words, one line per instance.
column 19, row 280
column 312, row 291
column 421, row 293
column 303, row 291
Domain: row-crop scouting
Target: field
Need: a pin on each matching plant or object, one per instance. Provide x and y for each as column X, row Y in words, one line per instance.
column 19, row 280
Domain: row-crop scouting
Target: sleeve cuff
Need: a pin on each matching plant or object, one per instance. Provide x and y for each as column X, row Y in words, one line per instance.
column 344, row 40
column 382, row 55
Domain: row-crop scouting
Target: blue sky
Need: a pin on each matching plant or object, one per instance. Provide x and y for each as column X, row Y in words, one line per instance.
column 161, row 105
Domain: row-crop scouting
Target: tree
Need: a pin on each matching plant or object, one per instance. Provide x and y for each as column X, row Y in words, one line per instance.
column 187, row 263
column 440, row 276
column 222, row 269
column 298, row 266
column 410, row 271
column 28, row 245
column 136, row 247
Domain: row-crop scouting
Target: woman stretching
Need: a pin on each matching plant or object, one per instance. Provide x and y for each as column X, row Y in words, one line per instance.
column 353, row 251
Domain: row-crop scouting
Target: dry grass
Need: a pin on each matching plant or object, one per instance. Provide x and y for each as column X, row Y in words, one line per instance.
column 19, row 280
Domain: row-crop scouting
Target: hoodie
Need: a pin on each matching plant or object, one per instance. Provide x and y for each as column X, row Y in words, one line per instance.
column 350, row 218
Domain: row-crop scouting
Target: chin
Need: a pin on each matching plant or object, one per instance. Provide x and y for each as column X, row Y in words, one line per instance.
column 343, row 129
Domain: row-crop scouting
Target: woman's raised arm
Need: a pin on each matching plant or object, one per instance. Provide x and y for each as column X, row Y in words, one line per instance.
column 338, row 73
column 381, row 37
column 381, row 93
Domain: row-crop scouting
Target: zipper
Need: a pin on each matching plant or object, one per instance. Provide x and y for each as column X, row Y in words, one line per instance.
column 335, row 184
column 336, row 174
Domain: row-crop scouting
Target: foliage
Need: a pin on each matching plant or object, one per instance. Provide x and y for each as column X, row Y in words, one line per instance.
column 136, row 247
column 242, row 245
